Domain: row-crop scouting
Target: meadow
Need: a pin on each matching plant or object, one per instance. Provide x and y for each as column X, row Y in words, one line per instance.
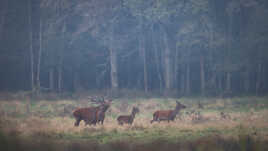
column 233, row 124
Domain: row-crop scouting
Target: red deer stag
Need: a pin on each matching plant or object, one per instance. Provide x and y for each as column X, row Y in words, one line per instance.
column 128, row 119
column 100, row 114
column 168, row 115
column 91, row 115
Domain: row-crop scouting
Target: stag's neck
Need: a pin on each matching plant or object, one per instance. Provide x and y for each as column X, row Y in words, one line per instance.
column 133, row 115
column 105, row 109
column 176, row 111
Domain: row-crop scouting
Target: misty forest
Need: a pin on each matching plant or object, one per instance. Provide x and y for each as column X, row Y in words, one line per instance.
column 169, row 74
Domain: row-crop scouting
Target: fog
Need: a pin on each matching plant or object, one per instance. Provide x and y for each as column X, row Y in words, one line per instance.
column 196, row 47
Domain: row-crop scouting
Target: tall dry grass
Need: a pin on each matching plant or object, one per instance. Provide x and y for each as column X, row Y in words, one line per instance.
column 51, row 122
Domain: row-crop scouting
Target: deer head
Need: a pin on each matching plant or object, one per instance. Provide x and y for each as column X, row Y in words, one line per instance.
column 179, row 106
column 135, row 110
column 102, row 101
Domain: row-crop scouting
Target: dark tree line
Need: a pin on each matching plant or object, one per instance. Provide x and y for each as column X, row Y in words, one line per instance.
column 188, row 47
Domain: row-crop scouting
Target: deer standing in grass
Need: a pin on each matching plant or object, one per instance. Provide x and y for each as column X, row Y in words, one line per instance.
column 92, row 115
column 100, row 115
column 128, row 119
column 167, row 115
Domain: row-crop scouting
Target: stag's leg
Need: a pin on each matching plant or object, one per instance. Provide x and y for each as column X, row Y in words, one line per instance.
column 102, row 119
column 86, row 122
column 77, row 121
column 154, row 119
column 89, row 122
column 120, row 122
column 94, row 122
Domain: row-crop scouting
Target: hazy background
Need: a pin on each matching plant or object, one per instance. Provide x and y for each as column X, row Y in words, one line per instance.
column 167, row 47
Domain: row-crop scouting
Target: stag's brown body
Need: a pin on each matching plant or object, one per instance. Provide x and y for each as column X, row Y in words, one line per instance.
column 163, row 114
column 168, row 115
column 128, row 119
column 92, row 115
column 87, row 114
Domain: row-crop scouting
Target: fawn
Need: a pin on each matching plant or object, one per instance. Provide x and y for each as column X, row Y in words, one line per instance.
column 128, row 119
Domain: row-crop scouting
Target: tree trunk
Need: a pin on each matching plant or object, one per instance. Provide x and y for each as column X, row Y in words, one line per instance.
column 264, row 79
column 2, row 22
column 51, row 79
column 247, row 81
column 39, row 58
column 113, row 63
column 143, row 54
column 2, row 19
column 229, row 44
column 213, row 83
column 258, row 79
column 212, row 69
column 188, row 88
column 167, row 63
column 220, row 81
column 176, row 72
column 157, row 61
column 228, row 82
column 60, row 65
column 182, row 83
column 202, row 75
column 60, row 78
column 31, row 45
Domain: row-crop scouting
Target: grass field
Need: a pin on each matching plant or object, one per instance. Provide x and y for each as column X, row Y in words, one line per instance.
column 49, row 125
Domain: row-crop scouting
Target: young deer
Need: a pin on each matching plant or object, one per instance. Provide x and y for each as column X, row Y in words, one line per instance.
column 128, row 119
column 91, row 115
column 168, row 115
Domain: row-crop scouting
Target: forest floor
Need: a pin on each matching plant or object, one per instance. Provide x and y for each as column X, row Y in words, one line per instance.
column 217, row 124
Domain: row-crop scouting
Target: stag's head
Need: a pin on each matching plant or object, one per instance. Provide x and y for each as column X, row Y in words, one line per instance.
column 104, row 103
column 135, row 110
column 179, row 106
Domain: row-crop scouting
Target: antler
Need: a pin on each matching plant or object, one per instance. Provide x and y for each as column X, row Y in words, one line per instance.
column 94, row 99
column 106, row 100
column 99, row 100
